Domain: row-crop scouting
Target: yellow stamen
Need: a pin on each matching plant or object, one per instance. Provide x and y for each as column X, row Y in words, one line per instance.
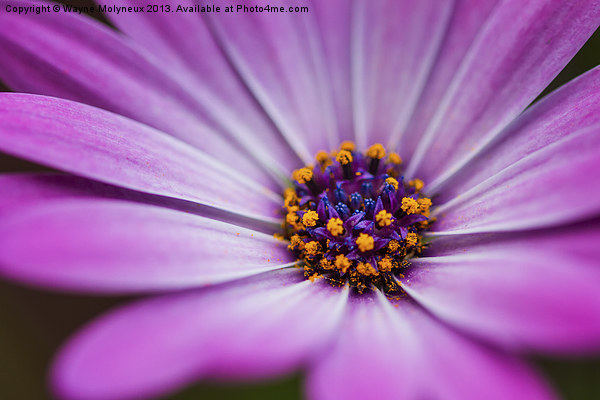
column 393, row 246
column 289, row 192
column 331, row 256
column 312, row 248
column 417, row 184
column 302, row 175
column 366, row 269
column 424, row 205
column 348, row 145
column 310, row 218
column 342, row 263
column 296, row 243
column 410, row 205
column 392, row 182
column 322, row 156
column 289, row 197
column 291, row 218
column 412, row 239
column 365, row 242
column 344, row 157
column 376, row 151
column 335, row 226
column 384, row 218
column 326, row 264
column 385, row 264
column 323, row 159
column 395, row 158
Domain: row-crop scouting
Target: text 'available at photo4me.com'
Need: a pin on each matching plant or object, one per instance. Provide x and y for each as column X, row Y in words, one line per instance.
column 233, row 7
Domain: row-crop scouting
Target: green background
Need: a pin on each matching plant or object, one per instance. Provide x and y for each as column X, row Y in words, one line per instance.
column 33, row 323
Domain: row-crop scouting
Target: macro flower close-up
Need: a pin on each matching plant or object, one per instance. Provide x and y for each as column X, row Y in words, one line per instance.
column 371, row 193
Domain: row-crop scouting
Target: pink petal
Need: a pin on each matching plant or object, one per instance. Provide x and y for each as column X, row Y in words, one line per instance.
column 280, row 57
column 184, row 46
column 268, row 325
column 68, row 55
column 333, row 27
column 553, row 185
column 20, row 189
column 467, row 20
column 518, row 51
column 394, row 46
column 100, row 245
column 396, row 351
column 535, row 291
column 100, row 145
column 567, row 110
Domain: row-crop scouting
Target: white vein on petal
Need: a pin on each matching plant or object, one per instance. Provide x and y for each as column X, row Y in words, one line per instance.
column 454, row 87
column 407, row 112
column 291, row 135
column 483, row 187
column 357, row 74
column 324, row 85
column 204, row 99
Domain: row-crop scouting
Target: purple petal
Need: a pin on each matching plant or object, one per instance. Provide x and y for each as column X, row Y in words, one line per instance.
column 280, row 57
column 518, row 51
column 467, row 19
column 555, row 184
column 397, row 351
column 333, row 28
column 67, row 55
column 567, row 110
column 184, row 46
column 521, row 291
column 97, row 144
column 268, row 325
column 21, row 188
column 394, row 45
column 113, row 246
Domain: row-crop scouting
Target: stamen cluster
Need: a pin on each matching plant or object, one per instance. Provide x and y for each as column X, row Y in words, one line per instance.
column 352, row 218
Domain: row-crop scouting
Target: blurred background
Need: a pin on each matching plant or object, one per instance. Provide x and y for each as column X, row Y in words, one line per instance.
column 33, row 323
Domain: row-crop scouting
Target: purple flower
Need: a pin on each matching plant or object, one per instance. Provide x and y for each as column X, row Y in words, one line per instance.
column 176, row 149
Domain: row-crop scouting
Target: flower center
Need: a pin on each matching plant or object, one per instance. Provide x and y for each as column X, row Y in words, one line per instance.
column 352, row 218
